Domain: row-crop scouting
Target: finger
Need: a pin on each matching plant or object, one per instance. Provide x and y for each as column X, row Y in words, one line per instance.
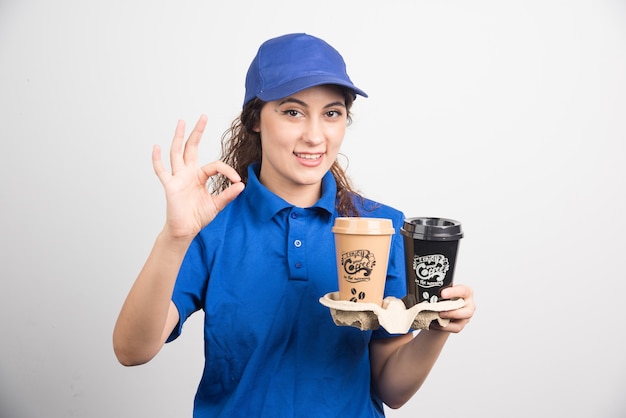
column 457, row 291
column 176, row 149
column 231, row 192
column 157, row 163
column 465, row 312
column 220, row 167
column 191, row 146
column 228, row 195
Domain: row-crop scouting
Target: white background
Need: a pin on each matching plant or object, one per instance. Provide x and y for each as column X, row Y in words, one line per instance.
column 507, row 115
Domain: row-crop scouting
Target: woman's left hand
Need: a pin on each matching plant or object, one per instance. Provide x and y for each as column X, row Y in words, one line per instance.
column 458, row 317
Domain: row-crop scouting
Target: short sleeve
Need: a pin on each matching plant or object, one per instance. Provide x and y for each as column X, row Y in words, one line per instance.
column 191, row 284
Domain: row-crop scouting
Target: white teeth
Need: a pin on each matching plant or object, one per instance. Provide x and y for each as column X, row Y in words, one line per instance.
column 309, row 156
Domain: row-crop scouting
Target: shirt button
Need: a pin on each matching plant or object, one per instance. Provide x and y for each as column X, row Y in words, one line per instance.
column 297, row 243
column 298, row 265
column 294, row 215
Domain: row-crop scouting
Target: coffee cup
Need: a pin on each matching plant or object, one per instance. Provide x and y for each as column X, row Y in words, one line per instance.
column 430, row 249
column 362, row 247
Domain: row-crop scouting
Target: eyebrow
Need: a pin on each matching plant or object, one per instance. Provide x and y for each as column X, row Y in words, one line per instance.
column 303, row 104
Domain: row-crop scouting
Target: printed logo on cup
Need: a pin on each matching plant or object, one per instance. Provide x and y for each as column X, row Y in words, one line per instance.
column 430, row 269
column 358, row 265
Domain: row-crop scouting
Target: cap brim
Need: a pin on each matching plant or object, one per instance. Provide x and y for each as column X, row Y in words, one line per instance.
column 302, row 83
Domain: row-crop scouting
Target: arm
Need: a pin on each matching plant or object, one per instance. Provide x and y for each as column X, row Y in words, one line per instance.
column 148, row 315
column 401, row 364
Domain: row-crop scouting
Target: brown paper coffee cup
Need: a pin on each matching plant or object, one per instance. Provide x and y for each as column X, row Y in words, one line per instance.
column 362, row 246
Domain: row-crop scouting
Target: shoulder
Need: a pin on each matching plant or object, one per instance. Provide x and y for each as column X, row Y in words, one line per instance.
column 374, row 209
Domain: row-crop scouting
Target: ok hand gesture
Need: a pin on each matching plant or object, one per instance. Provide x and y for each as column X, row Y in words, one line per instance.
column 190, row 206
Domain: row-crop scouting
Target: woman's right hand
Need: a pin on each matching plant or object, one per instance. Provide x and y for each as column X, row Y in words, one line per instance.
column 190, row 206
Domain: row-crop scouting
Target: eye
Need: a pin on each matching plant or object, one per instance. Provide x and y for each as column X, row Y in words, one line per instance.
column 333, row 114
column 291, row 113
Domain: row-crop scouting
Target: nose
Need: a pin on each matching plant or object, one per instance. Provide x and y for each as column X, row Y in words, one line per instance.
column 314, row 132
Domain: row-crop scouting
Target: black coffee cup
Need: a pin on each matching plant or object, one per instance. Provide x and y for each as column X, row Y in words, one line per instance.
column 430, row 249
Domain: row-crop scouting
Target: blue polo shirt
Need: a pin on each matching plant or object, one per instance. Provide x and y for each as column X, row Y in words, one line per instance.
column 271, row 349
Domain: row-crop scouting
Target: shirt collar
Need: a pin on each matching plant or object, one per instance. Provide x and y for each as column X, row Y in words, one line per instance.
column 266, row 204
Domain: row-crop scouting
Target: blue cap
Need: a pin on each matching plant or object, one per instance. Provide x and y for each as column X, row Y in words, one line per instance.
column 290, row 63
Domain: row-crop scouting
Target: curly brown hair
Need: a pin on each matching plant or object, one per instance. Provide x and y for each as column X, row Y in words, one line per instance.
column 241, row 146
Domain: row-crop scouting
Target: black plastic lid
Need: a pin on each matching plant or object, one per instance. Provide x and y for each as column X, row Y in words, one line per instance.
column 432, row 229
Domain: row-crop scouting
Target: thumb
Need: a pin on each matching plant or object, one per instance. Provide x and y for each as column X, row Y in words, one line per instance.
column 228, row 195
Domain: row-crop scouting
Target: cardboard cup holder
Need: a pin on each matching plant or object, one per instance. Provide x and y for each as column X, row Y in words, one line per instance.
column 393, row 315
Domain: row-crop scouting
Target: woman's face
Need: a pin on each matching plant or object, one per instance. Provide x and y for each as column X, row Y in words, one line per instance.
column 301, row 136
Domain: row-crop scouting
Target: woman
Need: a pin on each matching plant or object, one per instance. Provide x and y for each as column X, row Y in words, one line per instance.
column 257, row 253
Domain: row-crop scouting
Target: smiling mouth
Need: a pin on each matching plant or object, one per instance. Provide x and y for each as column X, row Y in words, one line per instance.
column 311, row 157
